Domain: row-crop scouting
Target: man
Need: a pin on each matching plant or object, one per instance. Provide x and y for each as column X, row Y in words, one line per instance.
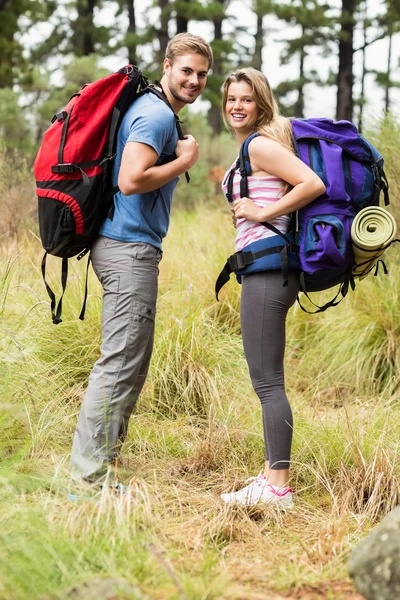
column 126, row 254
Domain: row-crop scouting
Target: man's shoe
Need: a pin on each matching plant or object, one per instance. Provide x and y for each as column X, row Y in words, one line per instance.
column 260, row 491
column 118, row 489
column 89, row 492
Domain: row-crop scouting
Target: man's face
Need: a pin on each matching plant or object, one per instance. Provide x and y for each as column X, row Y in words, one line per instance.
column 186, row 77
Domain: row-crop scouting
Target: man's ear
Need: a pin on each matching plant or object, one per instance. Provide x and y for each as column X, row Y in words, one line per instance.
column 167, row 65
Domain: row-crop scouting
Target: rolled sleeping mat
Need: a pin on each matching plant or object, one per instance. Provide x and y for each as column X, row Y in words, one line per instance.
column 372, row 231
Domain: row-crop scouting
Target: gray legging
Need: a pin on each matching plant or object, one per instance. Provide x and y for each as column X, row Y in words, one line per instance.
column 264, row 305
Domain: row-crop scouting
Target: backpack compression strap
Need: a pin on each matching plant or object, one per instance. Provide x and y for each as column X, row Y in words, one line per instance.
column 56, row 314
column 341, row 294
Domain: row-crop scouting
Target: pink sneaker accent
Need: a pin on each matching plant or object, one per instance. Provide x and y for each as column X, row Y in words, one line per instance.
column 279, row 491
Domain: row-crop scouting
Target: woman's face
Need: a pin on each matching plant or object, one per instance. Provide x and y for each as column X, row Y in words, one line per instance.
column 241, row 109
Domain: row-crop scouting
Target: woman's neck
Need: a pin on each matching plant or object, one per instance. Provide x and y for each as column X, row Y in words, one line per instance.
column 242, row 135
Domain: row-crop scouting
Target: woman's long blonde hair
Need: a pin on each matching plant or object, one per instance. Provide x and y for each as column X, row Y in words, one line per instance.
column 269, row 122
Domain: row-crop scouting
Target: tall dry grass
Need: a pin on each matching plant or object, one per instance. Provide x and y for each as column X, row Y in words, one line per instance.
column 196, row 432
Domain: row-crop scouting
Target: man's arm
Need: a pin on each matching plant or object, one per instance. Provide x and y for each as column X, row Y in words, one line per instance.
column 138, row 173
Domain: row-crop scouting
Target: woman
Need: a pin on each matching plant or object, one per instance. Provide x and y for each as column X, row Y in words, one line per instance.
column 279, row 184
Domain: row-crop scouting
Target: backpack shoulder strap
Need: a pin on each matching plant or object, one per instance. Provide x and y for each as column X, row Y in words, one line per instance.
column 244, row 164
column 229, row 182
column 156, row 89
column 245, row 170
column 244, row 155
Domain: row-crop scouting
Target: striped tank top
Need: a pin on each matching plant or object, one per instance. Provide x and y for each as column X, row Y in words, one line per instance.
column 263, row 191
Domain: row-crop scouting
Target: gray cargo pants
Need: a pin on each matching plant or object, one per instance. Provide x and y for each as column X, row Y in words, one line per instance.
column 128, row 273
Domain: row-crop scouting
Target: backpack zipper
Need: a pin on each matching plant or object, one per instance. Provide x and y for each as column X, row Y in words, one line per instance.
column 354, row 156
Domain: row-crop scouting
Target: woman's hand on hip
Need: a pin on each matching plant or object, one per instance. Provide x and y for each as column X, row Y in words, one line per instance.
column 234, row 219
column 244, row 208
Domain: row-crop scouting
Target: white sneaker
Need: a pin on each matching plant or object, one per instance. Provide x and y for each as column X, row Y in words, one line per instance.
column 261, row 491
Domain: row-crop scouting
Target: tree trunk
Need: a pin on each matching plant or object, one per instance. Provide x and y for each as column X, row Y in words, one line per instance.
column 344, row 107
column 181, row 24
column 10, row 51
column 364, row 72
column 5, row 4
column 214, row 118
column 131, row 32
column 84, row 42
column 163, row 31
column 299, row 106
column 362, row 95
column 259, row 43
column 214, row 115
column 181, row 19
column 388, row 73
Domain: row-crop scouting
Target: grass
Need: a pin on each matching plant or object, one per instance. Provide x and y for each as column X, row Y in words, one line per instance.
column 196, row 432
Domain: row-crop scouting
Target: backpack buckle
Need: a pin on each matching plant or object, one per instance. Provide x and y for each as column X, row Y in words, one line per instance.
column 59, row 116
column 64, row 168
column 240, row 260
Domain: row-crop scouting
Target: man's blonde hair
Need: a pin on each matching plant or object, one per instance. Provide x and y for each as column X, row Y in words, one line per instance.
column 188, row 43
column 269, row 122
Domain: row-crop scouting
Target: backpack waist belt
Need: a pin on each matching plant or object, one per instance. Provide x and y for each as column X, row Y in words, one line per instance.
column 240, row 261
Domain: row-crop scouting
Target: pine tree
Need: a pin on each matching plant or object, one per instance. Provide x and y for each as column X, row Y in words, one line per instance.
column 310, row 17
column 188, row 10
column 365, row 24
column 345, row 75
column 17, row 16
column 131, row 39
column 260, row 8
column 390, row 24
column 221, row 46
column 182, row 8
column 73, row 33
column 131, row 34
column 87, row 37
column 163, row 35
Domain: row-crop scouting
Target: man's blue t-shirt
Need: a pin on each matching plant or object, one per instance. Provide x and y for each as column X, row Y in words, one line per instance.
column 139, row 217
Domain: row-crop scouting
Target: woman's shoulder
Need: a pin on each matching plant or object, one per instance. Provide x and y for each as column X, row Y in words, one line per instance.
column 268, row 155
column 263, row 148
column 263, row 144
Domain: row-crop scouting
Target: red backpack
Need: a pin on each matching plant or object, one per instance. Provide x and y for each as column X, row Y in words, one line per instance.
column 74, row 165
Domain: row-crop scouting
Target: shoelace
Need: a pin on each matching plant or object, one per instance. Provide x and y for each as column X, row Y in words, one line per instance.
column 249, row 479
column 262, row 482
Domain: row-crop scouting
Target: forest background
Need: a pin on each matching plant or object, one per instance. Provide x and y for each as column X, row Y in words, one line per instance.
column 197, row 428
column 49, row 48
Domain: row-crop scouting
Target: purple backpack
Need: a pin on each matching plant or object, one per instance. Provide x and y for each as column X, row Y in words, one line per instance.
column 352, row 171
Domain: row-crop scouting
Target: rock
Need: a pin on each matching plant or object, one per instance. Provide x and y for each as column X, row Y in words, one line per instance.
column 100, row 589
column 375, row 564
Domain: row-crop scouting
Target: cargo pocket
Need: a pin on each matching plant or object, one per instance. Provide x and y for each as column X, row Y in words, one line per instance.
column 111, row 287
column 142, row 312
